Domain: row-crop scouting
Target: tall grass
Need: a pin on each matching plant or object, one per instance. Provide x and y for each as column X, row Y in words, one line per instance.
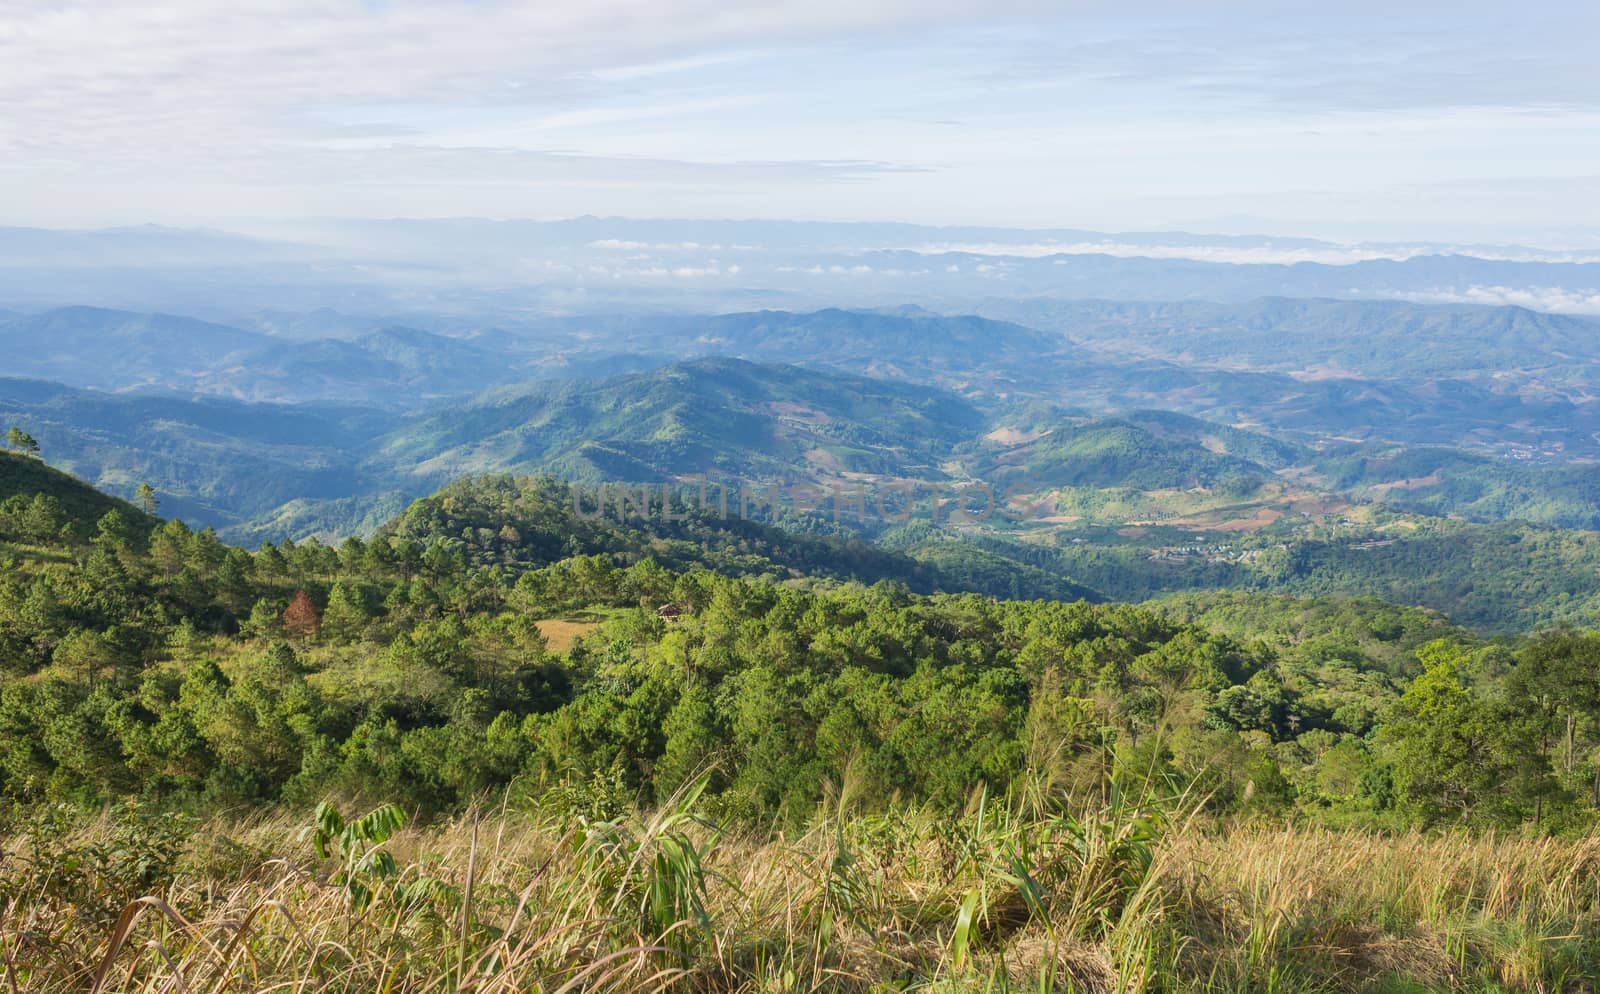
column 1118, row 897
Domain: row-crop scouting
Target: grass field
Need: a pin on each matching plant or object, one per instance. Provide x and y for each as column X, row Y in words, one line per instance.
column 560, row 633
column 1001, row 898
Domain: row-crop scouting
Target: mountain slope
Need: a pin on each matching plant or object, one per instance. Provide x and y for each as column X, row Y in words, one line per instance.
column 1376, row 338
column 1441, row 481
column 719, row 417
column 1144, row 449
column 531, row 521
column 213, row 461
column 391, row 367
column 25, row 477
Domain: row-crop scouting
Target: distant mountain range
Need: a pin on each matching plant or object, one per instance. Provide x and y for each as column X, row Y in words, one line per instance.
column 1371, row 339
column 1502, row 380
column 508, row 269
column 270, row 470
column 242, row 466
column 1168, row 411
column 118, row 350
column 299, row 422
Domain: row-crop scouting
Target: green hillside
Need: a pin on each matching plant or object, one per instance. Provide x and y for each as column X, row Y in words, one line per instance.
column 213, row 461
column 723, row 418
column 1490, row 577
column 1441, row 481
column 489, row 637
column 1145, row 450
column 25, row 478
column 531, row 522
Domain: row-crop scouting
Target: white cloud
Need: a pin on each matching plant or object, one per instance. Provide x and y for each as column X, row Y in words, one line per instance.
column 1328, row 254
column 670, row 66
column 1554, row 300
column 623, row 244
column 74, row 74
column 1083, row 113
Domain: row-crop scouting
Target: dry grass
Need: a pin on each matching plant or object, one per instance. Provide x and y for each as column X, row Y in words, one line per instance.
column 560, row 633
column 1106, row 901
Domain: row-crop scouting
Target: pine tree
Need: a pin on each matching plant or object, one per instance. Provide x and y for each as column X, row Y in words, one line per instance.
column 265, row 621
column 16, row 438
column 301, row 618
column 146, row 498
column 346, row 614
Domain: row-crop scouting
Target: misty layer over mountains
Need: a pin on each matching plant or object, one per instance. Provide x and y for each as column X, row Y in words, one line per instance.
column 507, row 269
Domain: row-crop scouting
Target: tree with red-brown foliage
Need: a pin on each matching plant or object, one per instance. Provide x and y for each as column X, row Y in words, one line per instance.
column 301, row 618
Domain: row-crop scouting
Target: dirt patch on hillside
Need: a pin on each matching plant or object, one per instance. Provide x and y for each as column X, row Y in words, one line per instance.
column 560, row 633
column 1254, row 523
column 1415, row 483
column 1014, row 436
column 799, row 412
column 823, row 459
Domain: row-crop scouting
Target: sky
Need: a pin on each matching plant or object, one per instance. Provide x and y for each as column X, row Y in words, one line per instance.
column 1459, row 122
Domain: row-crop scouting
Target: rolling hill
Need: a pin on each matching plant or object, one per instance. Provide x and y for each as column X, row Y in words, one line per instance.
column 25, row 477
column 1382, row 339
column 387, row 366
column 1147, row 450
column 719, row 417
column 213, row 461
column 529, row 522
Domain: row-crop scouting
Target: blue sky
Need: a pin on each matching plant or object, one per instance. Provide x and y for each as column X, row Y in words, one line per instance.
column 1454, row 122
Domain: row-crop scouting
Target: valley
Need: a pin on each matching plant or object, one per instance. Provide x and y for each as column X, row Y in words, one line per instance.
column 1123, row 472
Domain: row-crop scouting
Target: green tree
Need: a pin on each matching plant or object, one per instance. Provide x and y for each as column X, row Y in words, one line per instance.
column 1556, row 684
column 146, row 498
column 43, row 519
column 346, row 614
column 18, row 439
column 265, row 717
column 168, row 545
column 1462, row 757
column 113, row 530
column 87, row 655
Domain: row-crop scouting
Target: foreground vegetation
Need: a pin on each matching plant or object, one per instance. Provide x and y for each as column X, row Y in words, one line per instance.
column 1015, row 893
column 566, row 754
column 417, row 668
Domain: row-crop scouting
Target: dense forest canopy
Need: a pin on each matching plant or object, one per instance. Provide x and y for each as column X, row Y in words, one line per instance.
column 491, row 638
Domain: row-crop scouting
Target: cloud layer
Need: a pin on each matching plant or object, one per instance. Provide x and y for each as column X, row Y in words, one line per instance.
column 1555, row 300
column 1469, row 120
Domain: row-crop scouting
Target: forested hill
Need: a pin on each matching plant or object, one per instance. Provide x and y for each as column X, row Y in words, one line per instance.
column 1142, row 450
column 445, row 658
column 1386, row 339
column 38, row 500
column 530, row 522
column 719, row 417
